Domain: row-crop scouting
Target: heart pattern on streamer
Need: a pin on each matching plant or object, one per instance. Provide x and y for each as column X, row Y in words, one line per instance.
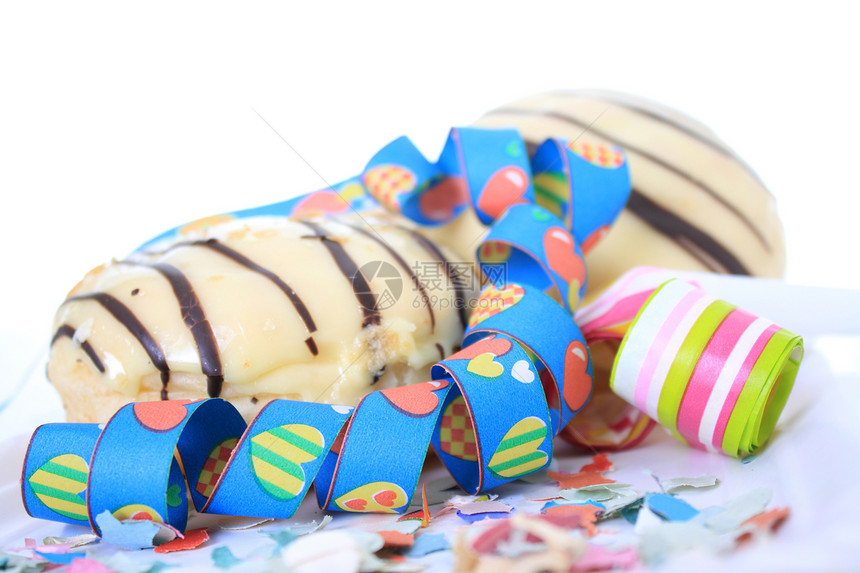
column 321, row 203
column 277, row 456
column 607, row 156
column 522, row 371
column 59, row 483
column 504, row 188
column 387, row 182
column 518, row 453
column 494, row 300
column 561, row 255
column 415, row 400
column 160, row 416
column 577, row 380
column 374, row 497
column 485, row 366
column 440, row 201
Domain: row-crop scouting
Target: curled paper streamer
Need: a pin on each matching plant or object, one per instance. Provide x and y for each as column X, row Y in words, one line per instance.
column 491, row 410
column 486, row 413
column 608, row 422
column 715, row 375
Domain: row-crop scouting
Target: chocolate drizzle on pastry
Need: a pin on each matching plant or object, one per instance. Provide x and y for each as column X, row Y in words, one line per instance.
column 68, row 331
column 126, row 317
column 366, row 298
column 455, row 280
column 294, row 298
column 403, row 264
column 198, row 324
column 195, row 319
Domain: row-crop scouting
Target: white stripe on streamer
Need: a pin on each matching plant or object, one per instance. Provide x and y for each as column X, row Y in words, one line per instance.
column 671, row 350
column 641, row 337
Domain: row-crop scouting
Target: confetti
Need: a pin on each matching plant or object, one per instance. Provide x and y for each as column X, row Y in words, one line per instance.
column 423, row 514
column 428, row 543
column 193, row 539
column 670, row 508
column 763, row 524
column 242, row 523
column 223, row 558
column 600, row 492
column 84, row 565
column 72, row 542
column 579, row 479
column 393, row 538
column 132, row 534
column 409, row 526
column 739, row 509
column 324, row 551
column 281, row 537
column 599, row 558
column 472, row 518
column 575, row 516
column 599, row 463
column 674, row 484
column 61, row 558
column 489, row 506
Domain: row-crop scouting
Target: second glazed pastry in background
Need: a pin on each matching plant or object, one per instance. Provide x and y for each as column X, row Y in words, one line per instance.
column 694, row 205
column 259, row 309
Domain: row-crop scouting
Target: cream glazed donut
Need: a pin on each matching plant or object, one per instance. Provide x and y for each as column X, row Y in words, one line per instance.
column 256, row 309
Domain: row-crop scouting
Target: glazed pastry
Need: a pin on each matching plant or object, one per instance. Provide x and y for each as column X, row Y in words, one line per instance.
column 258, row 309
column 694, row 204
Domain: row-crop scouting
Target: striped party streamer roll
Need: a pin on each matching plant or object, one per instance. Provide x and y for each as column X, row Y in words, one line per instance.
column 607, row 422
column 715, row 375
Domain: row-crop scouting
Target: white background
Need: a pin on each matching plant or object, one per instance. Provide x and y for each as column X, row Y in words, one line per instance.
column 118, row 122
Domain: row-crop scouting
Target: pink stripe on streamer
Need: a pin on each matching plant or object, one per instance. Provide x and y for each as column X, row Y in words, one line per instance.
column 738, row 384
column 623, row 311
column 631, row 282
column 706, row 372
column 660, row 341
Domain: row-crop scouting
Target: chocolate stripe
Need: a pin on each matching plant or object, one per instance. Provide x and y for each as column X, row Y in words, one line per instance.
column 671, row 225
column 431, row 248
column 645, row 155
column 403, row 264
column 653, row 114
column 294, row 298
column 712, row 142
column 67, row 331
column 361, row 288
column 127, row 318
column 195, row 319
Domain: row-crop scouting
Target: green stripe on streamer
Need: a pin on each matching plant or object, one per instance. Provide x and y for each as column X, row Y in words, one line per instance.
column 685, row 361
column 764, row 394
column 65, row 471
column 278, row 461
column 518, row 461
column 47, row 491
column 508, row 443
column 298, row 441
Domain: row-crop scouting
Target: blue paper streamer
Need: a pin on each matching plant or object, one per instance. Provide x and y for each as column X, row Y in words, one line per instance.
column 491, row 410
